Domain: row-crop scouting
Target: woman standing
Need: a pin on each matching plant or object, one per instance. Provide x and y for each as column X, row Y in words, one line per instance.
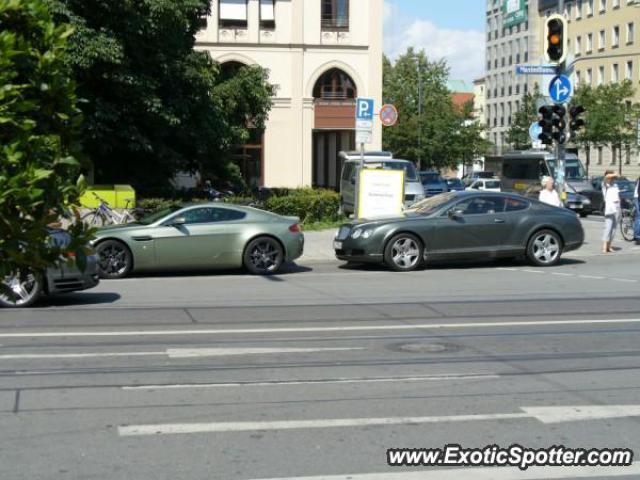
column 611, row 195
column 548, row 194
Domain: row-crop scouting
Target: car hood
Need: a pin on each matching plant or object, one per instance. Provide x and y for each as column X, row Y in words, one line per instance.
column 580, row 185
column 384, row 219
column 116, row 229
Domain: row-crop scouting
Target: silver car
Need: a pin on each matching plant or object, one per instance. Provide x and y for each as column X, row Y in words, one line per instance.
column 413, row 189
column 63, row 278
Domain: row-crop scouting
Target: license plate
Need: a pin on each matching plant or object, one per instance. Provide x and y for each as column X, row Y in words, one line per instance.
column 575, row 207
column 337, row 245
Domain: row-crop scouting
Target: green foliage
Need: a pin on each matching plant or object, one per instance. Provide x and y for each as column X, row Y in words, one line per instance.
column 443, row 135
column 153, row 105
column 39, row 176
column 611, row 115
column 518, row 133
column 310, row 205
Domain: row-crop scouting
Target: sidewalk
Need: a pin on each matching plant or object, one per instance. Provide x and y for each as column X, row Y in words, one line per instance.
column 319, row 245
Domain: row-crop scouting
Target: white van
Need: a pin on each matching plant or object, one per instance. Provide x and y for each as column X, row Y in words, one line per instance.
column 413, row 189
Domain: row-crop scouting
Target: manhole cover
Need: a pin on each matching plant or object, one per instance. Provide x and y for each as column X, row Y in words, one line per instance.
column 425, row 347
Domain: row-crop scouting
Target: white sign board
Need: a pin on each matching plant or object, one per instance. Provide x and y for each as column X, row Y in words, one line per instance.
column 381, row 193
column 364, row 136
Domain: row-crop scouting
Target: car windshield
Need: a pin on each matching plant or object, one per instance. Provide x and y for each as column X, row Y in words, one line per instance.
column 154, row 217
column 430, row 178
column 573, row 169
column 484, row 175
column 431, row 205
column 454, row 182
column 492, row 184
column 409, row 169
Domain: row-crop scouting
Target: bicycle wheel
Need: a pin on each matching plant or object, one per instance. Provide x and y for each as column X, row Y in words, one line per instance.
column 94, row 219
column 626, row 227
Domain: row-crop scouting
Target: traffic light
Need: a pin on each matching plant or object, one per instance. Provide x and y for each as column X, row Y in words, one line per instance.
column 556, row 39
column 546, row 123
column 576, row 122
column 559, row 124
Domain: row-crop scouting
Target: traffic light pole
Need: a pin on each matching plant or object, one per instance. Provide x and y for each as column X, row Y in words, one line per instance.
column 560, row 150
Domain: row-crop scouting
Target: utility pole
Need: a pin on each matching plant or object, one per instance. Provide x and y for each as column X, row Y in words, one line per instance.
column 560, row 150
column 419, row 115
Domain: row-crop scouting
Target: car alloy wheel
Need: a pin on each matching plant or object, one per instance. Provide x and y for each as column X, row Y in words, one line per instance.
column 114, row 259
column 263, row 256
column 24, row 292
column 545, row 248
column 404, row 253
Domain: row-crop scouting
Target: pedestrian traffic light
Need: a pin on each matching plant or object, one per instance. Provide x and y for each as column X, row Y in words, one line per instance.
column 576, row 122
column 556, row 39
column 546, row 123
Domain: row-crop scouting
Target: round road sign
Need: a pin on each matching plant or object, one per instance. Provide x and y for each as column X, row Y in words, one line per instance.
column 388, row 115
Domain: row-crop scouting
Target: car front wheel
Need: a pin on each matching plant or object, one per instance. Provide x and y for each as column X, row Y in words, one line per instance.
column 403, row 253
column 114, row 259
column 263, row 256
column 544, row 248
column 24, row 292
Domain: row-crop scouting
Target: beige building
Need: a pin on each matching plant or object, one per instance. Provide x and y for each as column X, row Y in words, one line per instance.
column 479, row 100
column 605, row 44
column 321, row 55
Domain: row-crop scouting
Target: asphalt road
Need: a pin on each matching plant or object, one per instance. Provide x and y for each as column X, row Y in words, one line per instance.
column 317, row 372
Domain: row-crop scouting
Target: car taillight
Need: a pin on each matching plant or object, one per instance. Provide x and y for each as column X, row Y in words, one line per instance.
column 295, row 228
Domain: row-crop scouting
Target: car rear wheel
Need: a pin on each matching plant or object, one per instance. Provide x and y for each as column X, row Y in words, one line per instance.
column 24, row 292
column 114, row 259
column 263, row 256
column 544, row 248
column 403, row 253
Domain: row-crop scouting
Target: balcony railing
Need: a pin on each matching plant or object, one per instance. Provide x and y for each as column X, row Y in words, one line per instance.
column 333, row 22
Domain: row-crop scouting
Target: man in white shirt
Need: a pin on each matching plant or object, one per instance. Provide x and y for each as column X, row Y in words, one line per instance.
column 548, row 194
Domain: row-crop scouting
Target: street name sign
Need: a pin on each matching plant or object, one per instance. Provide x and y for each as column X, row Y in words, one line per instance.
column 536, row 70
column 560, row 89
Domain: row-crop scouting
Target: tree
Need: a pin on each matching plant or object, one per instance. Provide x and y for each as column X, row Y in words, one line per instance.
column 611, row 115
column 430, row 129
column 152, row 104
column 518, row 133
column 39, row 177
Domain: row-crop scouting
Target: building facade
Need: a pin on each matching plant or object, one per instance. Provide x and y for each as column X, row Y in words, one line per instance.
column 320, row 55
column 512, row 39
column 605, row 46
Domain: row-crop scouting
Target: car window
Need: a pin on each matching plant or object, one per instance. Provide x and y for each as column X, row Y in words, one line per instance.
column 481, row 205
column 210, row 215
column 492, row 184
column 515, row 205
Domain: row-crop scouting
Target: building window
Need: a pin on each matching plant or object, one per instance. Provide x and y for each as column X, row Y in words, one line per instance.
column 578, row 9
column 589, row 8
column 600, row 75
column 267, row 14
column 589, row 78
column 578, row 77
column 616, row 3
column 232, row 13
column 631, row 33
column 629, row 71
column 589, row 48
column 578, row 45
column 603, row 6
column 335, row 14
column 615, row 36
column 602, row 39
column 335, row 85
column 600, row 155
column 615, row 74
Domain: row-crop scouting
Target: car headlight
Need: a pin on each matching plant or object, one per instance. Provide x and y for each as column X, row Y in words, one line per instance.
column 586, row 201
column 367, row 233
column 356, row 233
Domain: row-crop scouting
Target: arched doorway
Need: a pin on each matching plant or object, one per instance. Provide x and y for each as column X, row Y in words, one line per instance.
column 334, row 96
column 250, row 156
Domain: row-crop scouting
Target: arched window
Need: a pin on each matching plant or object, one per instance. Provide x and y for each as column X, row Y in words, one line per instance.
column 335, row 85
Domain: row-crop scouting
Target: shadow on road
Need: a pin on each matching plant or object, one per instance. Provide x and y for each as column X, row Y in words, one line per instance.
column 287, row 269
column 78, row 298
column 461, row 264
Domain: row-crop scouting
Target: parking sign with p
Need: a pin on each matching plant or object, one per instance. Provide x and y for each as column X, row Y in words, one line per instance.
column 364, row 109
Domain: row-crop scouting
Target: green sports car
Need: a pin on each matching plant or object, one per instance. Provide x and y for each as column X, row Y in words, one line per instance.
column 203, row 236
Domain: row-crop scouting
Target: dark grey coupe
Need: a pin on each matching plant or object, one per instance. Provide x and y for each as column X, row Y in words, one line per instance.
column 463, row 225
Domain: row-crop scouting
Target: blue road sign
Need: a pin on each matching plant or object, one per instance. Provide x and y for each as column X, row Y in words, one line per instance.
column 536, row 70
column 364, row 108
column 560, row 89
column 534, row 132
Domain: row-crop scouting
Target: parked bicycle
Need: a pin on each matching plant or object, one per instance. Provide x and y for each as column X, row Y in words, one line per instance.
column 627, row 220
column 103, row 214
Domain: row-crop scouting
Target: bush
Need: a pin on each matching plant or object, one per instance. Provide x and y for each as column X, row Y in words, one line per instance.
column 309, row 205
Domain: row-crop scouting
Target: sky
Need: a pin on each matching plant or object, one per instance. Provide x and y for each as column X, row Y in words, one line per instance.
column 451, row 29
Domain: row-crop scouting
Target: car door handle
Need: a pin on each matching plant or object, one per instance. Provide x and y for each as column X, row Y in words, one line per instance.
column 498, row 220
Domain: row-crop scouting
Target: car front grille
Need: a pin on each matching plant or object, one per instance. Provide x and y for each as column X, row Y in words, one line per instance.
column 68, row 284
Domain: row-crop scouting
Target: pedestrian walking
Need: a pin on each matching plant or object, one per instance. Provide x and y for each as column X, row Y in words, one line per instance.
column 636, row 223
column 611, row 195
column 548, row 194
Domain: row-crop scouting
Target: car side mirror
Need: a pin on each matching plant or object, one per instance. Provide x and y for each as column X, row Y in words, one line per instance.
column 455, row 214
column 179, row 221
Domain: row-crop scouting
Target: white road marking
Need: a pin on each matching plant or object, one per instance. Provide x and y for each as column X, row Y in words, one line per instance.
column 173, row 353
column 223, row 352
column 559, row 274
column 426, row 378
column 626, row 280
column 546, row 415
column 490, row 473
column 350, row 328
column 591, row 277
column 531, row 271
